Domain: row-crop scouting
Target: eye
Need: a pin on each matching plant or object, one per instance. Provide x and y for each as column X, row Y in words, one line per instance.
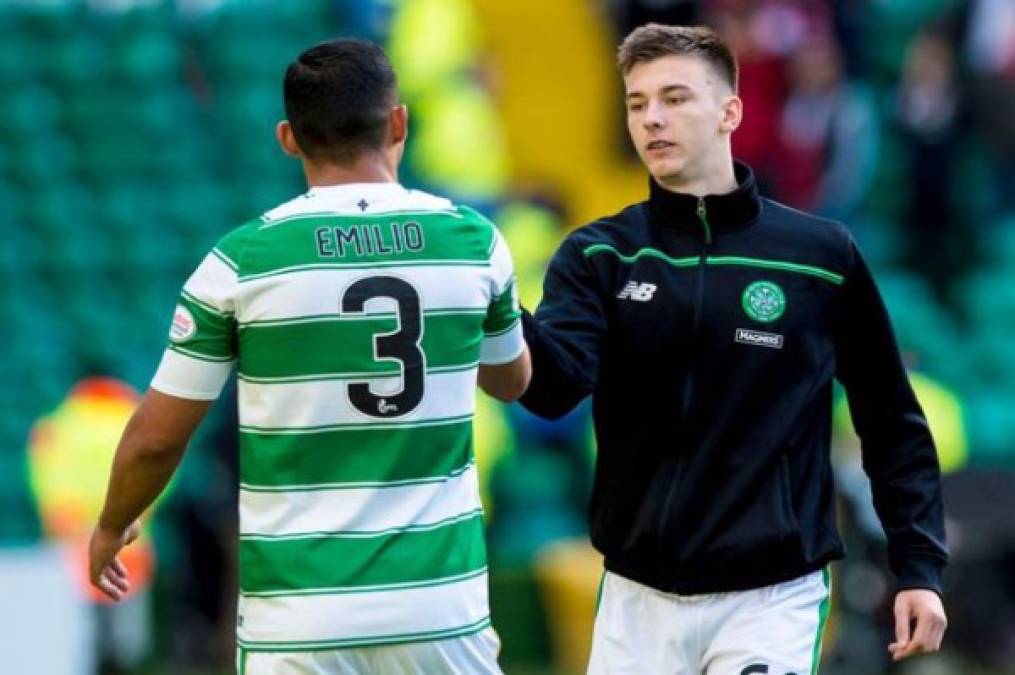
column 636, row 107
column 676, row 100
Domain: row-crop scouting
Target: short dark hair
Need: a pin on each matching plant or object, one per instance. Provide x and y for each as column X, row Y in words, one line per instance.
column 655, row 40
column 337, row 98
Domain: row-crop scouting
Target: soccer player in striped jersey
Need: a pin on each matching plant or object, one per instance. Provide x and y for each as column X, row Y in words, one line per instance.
column 360, row 317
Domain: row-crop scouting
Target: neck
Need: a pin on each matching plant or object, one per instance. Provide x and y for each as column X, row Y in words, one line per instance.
column 714, row 178
column 371, row 168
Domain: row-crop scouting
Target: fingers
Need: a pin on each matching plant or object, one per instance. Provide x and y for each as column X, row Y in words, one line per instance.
column 903, row 622
column 112, row 580
column 106, row 571
column 927, row 635
column 119, row 567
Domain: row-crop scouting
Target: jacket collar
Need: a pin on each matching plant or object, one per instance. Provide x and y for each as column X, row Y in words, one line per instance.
column 727, row 212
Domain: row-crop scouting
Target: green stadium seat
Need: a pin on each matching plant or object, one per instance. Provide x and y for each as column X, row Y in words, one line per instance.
column 77, row 62
column 879, row 240
column 991, row 427
column 147, row 58
column 29, row 111
column 988, row 298
column 999, row 245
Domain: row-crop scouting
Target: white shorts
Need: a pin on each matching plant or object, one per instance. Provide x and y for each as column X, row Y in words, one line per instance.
column 775, row 630
column 468, row 655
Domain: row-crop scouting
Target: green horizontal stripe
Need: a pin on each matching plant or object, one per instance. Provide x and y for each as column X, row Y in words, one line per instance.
column 326, row 377
column 347, row 346
column 447, row 581
column 514, row 322
column 327, row 645
column 796, row 268
column 641, row 253
column 447, row 239
column 297, row 431
column 215, row 336
column 762, row 263
column 327, row 318
column 355, row 455
column 401, row 557
column 353, row 485
column 198, row 355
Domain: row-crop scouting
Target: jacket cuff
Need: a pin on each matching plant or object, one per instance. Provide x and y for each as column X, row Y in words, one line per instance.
column 920, row 571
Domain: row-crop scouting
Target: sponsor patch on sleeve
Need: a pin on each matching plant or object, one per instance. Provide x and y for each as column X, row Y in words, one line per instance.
column 183, row 327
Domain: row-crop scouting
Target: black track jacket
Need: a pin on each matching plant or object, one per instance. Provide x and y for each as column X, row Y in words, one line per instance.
column 709, row 332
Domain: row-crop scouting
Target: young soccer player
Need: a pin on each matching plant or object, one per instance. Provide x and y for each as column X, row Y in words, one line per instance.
column 360, row 316
column 709, row 324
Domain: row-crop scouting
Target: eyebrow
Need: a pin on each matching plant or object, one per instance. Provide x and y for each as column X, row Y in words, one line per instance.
column 664, row 90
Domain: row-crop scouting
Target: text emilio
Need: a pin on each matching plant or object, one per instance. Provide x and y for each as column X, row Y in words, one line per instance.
column 374, row 239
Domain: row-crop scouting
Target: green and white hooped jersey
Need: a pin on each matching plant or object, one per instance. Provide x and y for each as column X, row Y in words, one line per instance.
column 357, row 316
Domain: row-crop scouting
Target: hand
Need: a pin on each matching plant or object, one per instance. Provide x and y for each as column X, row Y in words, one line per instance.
column 923, row 608
column 106, row 571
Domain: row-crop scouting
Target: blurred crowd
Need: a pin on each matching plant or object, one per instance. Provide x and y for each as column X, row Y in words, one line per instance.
column 134, row 133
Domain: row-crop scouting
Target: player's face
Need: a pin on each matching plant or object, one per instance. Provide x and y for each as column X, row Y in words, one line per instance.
column 678, row 115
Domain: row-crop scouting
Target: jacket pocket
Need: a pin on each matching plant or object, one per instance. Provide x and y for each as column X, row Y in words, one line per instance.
column 786, row 493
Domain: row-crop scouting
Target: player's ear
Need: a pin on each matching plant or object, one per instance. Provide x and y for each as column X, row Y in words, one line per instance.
column 732, row 114
column 287, row 139
column 398, row 124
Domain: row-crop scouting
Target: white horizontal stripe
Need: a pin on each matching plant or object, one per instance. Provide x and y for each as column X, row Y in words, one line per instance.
column 319, row 291
column 501, row 266
column 357, row 509
column 348, row 199
column 326, row 402
column 187, row 377
column 214, row 283
column 345, row 615
column 503, row 348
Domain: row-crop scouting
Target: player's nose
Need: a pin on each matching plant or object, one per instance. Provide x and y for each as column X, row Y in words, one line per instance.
column 653, row 119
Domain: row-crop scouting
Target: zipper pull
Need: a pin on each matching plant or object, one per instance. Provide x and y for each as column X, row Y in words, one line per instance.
column 703, row 217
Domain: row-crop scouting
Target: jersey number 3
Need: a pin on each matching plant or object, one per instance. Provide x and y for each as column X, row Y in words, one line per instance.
column 403, row 346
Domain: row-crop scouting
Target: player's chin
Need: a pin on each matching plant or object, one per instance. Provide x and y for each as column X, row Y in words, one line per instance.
column 665, row 169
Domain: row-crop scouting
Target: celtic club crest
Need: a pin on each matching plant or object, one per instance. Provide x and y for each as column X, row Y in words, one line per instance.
column 764, row 301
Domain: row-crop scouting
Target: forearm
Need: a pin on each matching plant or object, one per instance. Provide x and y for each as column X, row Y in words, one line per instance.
column 552, row 392
column 141, row 470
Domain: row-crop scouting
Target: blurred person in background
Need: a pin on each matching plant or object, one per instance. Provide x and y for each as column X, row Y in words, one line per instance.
column 929, row 114
column 709, row 324
column 828, row 134
column 361, row 528
column 763, row 35
column 990, row 45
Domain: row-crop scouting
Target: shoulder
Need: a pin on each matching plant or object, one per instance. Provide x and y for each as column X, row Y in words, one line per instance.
column 826, row 238
column 230, row 247
column 619, row 229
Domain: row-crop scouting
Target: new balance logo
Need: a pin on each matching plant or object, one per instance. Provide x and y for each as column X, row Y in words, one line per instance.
column 756, row 337
column 635, row 291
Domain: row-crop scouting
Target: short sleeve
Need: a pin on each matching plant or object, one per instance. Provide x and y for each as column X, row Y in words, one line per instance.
column 202, row 336
column 502, row 329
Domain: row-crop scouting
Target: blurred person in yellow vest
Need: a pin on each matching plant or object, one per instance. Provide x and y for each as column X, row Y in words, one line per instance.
column 421, row 61
column 458, row 144
column 943, row 410
column 69, row 454
column 533, row 231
